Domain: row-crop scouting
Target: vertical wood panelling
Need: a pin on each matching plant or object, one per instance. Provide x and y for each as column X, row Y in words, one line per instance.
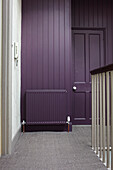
column 91, row 18
column 86, row 17
column 46, row 32
column 56, row 44
column 95, row 14
column 109, row 32
column 100, row 12
column 24, row 53
column 45, row 44
column 34, row 43
column 61, row 44
column 39, row 45
column 51, row 38
column 28, row 45
column 67, row 51
column 76, row 13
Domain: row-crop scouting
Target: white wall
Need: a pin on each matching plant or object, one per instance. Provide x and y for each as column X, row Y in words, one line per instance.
column 16, row 70
column 0, row 64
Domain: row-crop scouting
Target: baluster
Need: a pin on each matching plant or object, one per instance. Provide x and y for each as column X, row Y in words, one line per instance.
column 97, row 114
column 100, row 116
column 92, row 111
column 111, row 120
column 108, row 117
column 103, row 74
column 95, row 89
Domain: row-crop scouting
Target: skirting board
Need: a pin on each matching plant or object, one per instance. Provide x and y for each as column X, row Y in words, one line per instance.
column 15, row 139
column 81, row 126
column 36, row 128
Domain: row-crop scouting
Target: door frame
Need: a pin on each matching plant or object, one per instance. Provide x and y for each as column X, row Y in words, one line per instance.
column 6, row 76
column 0, row 66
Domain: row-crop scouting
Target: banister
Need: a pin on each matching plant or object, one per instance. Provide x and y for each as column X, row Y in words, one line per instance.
column 102, row 114
column 102, row 69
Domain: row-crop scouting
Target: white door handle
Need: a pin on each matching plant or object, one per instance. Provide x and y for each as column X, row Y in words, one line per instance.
column 74, row 88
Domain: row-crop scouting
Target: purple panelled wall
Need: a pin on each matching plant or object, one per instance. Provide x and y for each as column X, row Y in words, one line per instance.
column 46, row 48
column 95, row 14
column 46, row 52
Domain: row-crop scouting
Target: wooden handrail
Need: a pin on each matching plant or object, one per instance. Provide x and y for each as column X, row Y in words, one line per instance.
column 102, row 69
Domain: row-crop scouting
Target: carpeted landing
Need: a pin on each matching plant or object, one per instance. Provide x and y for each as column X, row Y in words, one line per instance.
column 53, row 151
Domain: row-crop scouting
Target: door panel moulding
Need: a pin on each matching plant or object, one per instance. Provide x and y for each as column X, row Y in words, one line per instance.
column 6, row 77
column 89, row 28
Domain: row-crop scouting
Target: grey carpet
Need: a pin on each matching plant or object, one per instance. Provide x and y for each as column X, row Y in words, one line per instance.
column 53, row 151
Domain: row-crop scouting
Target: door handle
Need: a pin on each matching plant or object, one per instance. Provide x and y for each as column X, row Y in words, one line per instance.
column 74, row 88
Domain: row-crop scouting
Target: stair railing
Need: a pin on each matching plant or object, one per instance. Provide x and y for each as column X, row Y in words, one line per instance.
column 102, row 114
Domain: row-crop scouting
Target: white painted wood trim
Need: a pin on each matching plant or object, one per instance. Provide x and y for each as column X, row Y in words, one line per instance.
column 111, row 120
column 10, row 75
column 0, row 71
column 100, row 116
column 108, row 120
column 92, row 112
column 7, row 78
column 97, row 114
column 103, row 126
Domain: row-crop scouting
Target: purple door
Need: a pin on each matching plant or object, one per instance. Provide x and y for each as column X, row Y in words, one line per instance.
column 88, row 54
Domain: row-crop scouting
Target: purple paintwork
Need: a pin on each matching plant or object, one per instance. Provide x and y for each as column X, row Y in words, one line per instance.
column 46, row 49
column 90, row 15
column 45, row 107
column 88, row 54
column 95, row 14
